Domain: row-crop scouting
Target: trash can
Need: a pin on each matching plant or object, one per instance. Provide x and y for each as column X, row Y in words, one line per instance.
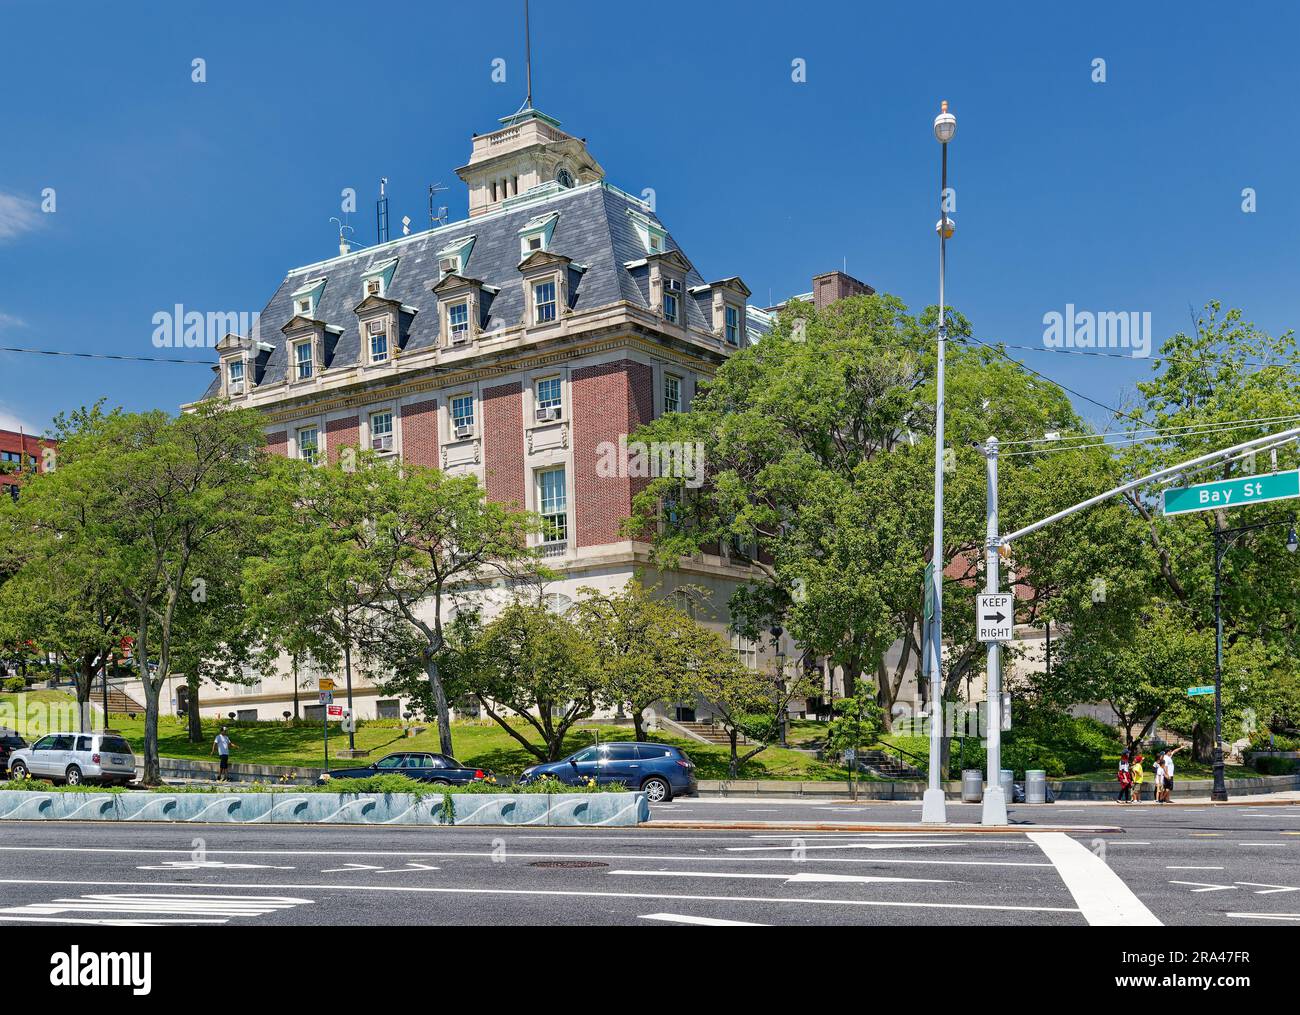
column 1007, row 780
column 972, row 786
column 1035, row 786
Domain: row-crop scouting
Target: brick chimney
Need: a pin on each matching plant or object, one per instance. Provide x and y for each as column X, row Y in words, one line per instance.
column 835, row 285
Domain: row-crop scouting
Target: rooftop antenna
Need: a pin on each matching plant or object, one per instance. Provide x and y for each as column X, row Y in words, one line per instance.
column 344, row 246
column 381, row 211
column 440, row 218
column 528, row 57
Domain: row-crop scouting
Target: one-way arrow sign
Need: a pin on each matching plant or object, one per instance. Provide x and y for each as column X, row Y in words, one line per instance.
column 995, row 616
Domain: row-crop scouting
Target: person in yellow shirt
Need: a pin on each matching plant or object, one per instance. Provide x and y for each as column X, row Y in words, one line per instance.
column 1136, row 772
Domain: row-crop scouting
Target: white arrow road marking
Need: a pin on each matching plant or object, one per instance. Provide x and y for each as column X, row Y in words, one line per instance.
column 789, row 879
column 1205, row 886
column 1269, row 889
column 193, row 865
column 348, row 868
column 1103, row 898
column 137, row 907
column 702, row 921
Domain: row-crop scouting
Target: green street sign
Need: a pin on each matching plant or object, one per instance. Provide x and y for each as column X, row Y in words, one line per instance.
column 1232, row 493
column 1192, row 692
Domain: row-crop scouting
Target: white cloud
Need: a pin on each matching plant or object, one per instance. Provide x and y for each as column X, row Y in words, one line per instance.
column 17, row 216
column 9, row 421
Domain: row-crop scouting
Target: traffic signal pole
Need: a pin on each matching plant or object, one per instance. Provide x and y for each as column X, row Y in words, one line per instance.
column 995, row 800
column 995, row 811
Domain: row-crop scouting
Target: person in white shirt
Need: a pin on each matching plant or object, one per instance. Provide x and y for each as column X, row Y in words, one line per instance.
column 221, row 746
column 1169, row 772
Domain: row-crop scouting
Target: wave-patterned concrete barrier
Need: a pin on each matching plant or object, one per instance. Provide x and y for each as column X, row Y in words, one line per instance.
column 330, row 808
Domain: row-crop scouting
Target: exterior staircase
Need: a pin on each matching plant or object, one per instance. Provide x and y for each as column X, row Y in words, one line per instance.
column 118, row 701
column 886, row 766
column 703, row 732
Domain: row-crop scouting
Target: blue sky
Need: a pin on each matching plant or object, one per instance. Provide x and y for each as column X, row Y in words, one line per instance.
column 1115, row 196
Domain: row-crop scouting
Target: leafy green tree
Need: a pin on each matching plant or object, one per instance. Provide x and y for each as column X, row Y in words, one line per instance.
column 533, row 666
column 647, row 648
column 436, row 542
column 168, row 491
column 311, row 586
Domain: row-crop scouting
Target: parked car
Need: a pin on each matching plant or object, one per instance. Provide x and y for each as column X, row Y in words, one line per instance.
column 9, row 742
column 424, row 767
column 659, row 771
column 74, row 758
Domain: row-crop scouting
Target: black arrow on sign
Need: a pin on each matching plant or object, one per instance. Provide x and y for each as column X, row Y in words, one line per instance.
column 997, row 620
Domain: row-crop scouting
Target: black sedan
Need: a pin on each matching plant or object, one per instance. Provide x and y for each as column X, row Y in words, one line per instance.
column 435, row 768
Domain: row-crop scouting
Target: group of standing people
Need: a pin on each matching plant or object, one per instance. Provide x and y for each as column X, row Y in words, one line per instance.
column 1131, row 776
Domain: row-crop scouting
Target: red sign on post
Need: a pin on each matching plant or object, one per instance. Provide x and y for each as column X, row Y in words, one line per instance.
column 334, row 711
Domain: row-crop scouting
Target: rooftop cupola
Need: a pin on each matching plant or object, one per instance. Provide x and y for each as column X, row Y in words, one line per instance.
column 527, row 151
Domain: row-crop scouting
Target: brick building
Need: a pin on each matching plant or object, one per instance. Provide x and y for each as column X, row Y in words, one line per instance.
column 21, row 453
column 518, row 346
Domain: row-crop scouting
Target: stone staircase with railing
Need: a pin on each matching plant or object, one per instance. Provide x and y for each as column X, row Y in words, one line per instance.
column 886, row 766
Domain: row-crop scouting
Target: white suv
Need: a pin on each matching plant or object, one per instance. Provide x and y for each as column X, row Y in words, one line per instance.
column 75, row 758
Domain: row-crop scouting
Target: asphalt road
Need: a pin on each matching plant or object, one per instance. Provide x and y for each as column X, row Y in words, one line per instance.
column 1187, row 865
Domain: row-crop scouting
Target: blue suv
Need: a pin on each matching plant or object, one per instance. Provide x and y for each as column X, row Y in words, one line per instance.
column 659, row 771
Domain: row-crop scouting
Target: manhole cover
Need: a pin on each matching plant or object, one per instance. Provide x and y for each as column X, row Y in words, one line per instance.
column 568, row 863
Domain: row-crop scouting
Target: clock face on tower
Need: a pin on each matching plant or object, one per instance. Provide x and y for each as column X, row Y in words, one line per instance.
column 563, row 177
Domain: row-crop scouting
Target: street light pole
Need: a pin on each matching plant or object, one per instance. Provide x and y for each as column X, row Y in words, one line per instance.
column 1223, row 539
column 933, row 807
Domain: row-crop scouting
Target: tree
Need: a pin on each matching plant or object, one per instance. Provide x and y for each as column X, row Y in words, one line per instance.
column 819, row 442
column 61, row 595
column 170, row 490
column 312, row 585
column 435, row 541
column 534, row 665
column 646, row 647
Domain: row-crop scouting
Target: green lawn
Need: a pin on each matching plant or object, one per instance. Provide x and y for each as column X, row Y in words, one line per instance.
column 483, row 744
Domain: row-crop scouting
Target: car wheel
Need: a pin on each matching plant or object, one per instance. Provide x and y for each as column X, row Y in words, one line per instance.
column 73, row 775
column 439, row 782
column 657, row 791
column 18, row 770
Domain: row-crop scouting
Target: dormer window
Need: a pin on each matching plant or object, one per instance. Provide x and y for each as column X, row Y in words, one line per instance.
column 672, row 300
column 458, row 322
column 378, row 334
column 544, row 302
column 652, row 235
column 536, row 234
column 453, row 258
column 306, row 300
column 304, row 363
column 374, row 287
column 235, row 378
column 376, row 279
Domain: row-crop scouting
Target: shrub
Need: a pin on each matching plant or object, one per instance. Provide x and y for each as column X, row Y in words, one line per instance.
column 15, row 685
column 1275, row 766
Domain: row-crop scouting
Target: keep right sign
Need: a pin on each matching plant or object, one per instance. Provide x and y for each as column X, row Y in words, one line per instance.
column 995, row 616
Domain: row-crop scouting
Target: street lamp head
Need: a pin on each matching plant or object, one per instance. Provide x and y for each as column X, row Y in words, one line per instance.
column 1292, row 543
column 946, row 226
column 945, row 124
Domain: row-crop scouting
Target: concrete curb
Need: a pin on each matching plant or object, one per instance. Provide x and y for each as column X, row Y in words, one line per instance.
column 571, row 809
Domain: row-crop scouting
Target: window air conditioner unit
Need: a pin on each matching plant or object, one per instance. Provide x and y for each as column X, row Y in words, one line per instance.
column 460, row 336
column 373, row 287
column 236, row 388
column 548, row 414
column 381, row 442
column 464, row 431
